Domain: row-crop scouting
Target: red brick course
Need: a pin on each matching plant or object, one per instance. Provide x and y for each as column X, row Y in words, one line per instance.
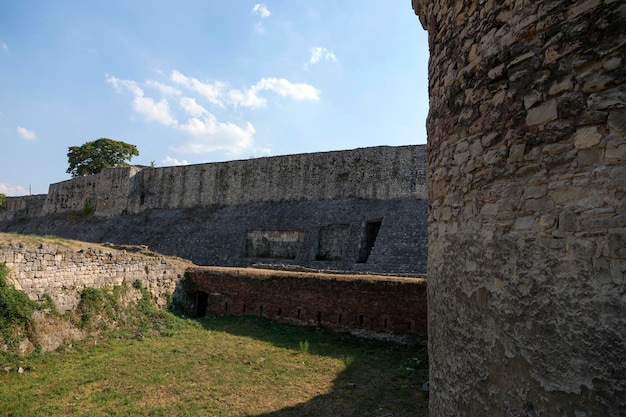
column 378, row 304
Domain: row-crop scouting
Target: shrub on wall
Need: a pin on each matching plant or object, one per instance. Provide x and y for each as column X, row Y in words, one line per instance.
column 16, row 314
column 108, row 309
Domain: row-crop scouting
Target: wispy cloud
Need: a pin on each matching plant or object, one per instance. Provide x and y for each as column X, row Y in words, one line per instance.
column 25, row 133
column 251, row 97
column 209, row 135
column 213, row 91
column 3, row 46
column 318, row 53
column 262, row 10
column 190, row 106
column 169, row 161
column 12, row 190
column 165, row 89
column 220, row 94
column 201, row 130
column 151, row 110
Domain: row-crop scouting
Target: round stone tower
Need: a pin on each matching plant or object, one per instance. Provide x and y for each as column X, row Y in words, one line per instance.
column 527, row 221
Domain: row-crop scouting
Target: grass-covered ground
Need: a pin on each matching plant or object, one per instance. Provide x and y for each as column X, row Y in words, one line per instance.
column 244, row 366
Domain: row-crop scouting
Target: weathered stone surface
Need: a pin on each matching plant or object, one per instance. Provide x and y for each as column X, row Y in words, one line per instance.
column 617, row 121
column 63, row 273
column 205, row 213
column 526, row 292
column 542, row 114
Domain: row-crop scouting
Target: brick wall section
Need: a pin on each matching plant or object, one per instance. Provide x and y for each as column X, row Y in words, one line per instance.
column 63, row 273
column 367, row 303
column 527, row 191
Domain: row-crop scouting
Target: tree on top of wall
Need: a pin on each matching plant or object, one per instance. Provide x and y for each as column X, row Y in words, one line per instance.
column 3, row 201
column 92, row 157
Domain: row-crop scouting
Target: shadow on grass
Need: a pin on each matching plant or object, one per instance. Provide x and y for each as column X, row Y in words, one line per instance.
column 380, row 377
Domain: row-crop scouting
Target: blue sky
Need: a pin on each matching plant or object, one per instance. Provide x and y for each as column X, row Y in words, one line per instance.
column 196, row 81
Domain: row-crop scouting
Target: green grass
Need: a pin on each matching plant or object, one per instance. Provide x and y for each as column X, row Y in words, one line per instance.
column 231, row 366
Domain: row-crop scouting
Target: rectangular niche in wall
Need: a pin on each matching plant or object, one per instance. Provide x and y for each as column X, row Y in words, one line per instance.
column 368, row 239
column 282, row 244
column 334, row 242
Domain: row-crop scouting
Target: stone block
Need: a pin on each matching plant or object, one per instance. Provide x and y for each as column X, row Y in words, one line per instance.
column 607, row 100
column 587, row 137
column 616, row 121
column 542, row 114
column 615, row 151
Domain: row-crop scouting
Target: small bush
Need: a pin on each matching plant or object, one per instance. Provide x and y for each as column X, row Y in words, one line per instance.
column 87, row 208
column 98, row 308
column 101, row 309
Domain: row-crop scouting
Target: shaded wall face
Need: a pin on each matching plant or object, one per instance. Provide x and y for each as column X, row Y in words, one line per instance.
column 367, row 304
column 527, row 180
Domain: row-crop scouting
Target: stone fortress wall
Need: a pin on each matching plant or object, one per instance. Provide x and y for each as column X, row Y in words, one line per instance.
column 372, row 306
column 527, row 189
column 363, row 209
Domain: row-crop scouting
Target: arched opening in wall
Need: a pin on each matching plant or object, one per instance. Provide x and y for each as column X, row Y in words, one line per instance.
column 370, row 233
column 202, row 302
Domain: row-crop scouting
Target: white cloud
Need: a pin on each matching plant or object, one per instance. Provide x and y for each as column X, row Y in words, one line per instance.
column 319, row 53
column 25, row 133
column 246, row 98
column 199, row 129
column 217, row 92
column 262, row 10
column 213, row 92
column 190, row 106
column 3, row 46
column 151, row 110
column 284, row 88
column 12, row 190
column 165, row 89
column 154, row 111
column 169, row 161
column 209, row 135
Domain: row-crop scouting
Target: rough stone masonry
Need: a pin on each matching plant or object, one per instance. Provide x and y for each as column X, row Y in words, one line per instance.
column 527, row 192
column 362, row 209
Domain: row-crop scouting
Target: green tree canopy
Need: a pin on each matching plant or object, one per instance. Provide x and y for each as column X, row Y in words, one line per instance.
column 94, row 156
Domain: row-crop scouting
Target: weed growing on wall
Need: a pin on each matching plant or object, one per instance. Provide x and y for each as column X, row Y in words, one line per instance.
column 16, row 315
column 98, row 308
column 105, row 309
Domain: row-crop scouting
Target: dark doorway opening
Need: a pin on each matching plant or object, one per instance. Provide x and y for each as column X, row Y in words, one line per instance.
column 202, row 302
column 370, row 234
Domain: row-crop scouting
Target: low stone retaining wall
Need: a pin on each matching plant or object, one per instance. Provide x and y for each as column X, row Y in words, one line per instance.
column 63, row 273
column 370, row 305
column 367, row 304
